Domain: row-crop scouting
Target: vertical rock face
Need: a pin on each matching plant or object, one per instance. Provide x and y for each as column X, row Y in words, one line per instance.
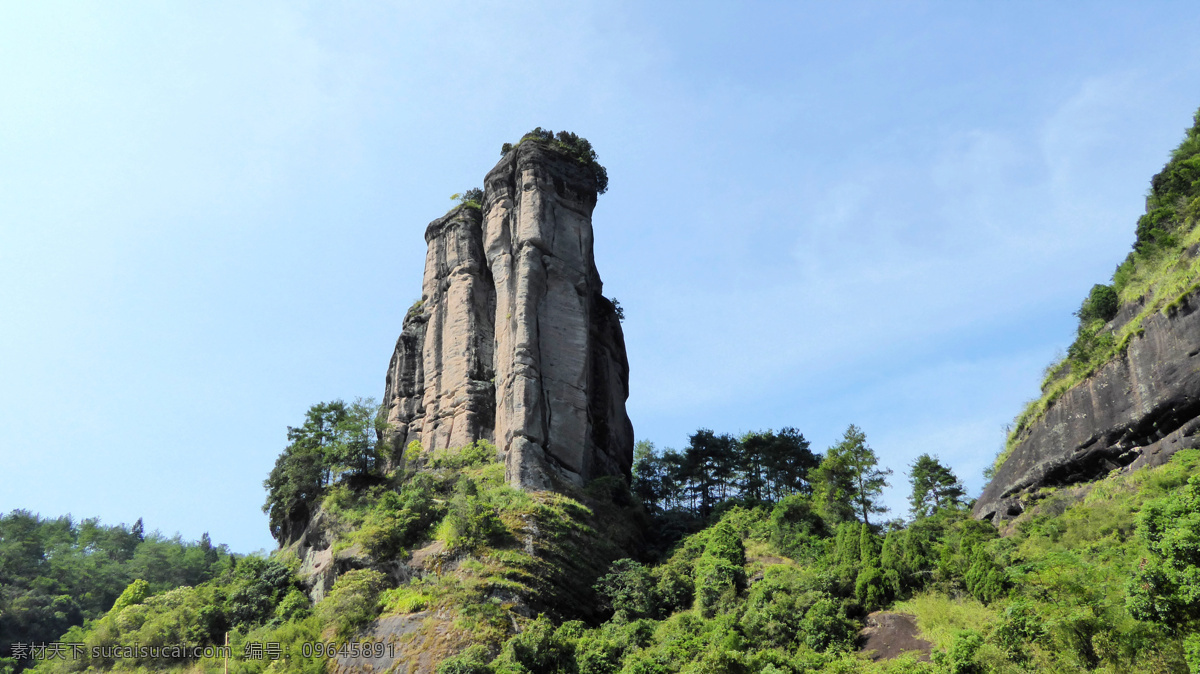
column 439, row 389
column 404, row 389
column 517, row 343
column 458, row 304
column 555, row 358
column 1135, row 411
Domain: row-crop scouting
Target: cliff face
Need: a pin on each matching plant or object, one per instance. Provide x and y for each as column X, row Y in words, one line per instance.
column 514, row 342
column 1135, row 411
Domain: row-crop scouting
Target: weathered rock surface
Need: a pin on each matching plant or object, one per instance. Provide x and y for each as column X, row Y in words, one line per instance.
column 559, row 409
column 1135, row 411
column 514, row 342
column 887, row 636
column 413, row 643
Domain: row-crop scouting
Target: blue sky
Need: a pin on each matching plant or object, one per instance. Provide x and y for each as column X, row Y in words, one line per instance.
column 211, row 215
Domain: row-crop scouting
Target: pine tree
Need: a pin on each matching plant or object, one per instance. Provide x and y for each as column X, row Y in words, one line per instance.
column 849, row 482
column 934, row 486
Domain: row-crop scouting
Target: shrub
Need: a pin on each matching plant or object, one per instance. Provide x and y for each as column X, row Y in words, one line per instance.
column 870, row 589
column 598, row 655
column 796, row 527
column 353, row 602
column 574, row 147
column 1101, row 304
column 1166, row 587
column 477, row 453
column 984, row 578
column 961, row 657
column 472, row 198
column 777, row 604
column 470, row 522
column 825, row 626
column 674, row 586
column 474, row 660
column 538, row 648
column 719, row 571
column 629, row 589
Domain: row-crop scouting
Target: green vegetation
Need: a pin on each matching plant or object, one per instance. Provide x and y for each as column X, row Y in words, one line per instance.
column 472, row 198
column 1158, row 274
column 734, row 555
column 758, row 467
column 934, row 486
column 573, row 146
column 773, row 556
column 58, row 573
column 336, row 440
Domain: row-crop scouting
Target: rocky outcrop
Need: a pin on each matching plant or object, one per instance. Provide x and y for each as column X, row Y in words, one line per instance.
column 1135, row 411
column 439, row 384
column 513, row 341
column 557, row 353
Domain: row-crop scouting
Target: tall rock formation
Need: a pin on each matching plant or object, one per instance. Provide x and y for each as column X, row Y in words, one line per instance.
column 513, row 341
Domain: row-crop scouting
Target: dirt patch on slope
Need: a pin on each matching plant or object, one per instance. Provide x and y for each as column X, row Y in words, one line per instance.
column 888, row 634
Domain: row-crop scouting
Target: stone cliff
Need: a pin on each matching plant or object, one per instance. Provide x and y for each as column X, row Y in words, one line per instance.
column 513, row 341
column 1128, row 393
column 1136, row 410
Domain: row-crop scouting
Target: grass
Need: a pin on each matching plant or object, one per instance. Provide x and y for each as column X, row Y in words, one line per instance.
column 940, row 617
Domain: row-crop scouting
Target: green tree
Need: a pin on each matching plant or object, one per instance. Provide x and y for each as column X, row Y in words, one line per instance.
column 355, row 446
column 629, row 589
column 849, row 482
column 335, row 439
column 710, row 467
column 775, row 464
column 1166, row 586
column 934, row 486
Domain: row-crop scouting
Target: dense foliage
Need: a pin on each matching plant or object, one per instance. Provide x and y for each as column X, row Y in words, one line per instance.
column 758, row 467
column 58, row 573
column 785, row 559
column 336, row 439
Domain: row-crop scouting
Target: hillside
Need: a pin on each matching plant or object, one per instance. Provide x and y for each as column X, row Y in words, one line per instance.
column 1128, row 392
column 492, row 515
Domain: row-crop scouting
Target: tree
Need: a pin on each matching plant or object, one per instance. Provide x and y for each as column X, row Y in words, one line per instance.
column 1165, row 588
column 849, row 481
column 710, row 466
column 355, row 445
column 934, row 486
column 789, row 461
column 303, row 469
column 648, row 476
column 775, row 464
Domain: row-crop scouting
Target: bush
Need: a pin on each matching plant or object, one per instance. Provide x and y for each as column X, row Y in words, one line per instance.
column 719, row 571
column 537, row 648
column 777, row 604
column 572, row 145
column 1166, row 588
column 353, row 602
column 470, row 522
column 796, row 527
column 961, row 658
column 1101, row 304
column 825, row 626
column 474, row 660
column 629, row 590
column 870, row 589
